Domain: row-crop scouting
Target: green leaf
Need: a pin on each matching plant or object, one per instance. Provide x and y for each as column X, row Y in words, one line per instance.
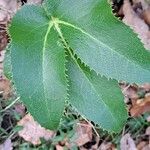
column 101, row 41
column 38, row 65
column 103, row 103
column 39, row 37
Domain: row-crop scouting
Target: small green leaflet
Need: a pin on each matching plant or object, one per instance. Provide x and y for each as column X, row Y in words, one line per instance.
column 67, row 50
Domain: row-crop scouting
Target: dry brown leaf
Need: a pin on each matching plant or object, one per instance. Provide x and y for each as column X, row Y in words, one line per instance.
column 8, row 9
column 7, row 145
column 147, row 147
column 145, row 4
column 136, row 23
column 127, row 143
column 5, row 88
column 1, row 71
column 58, row 147
column 96, row 145
column 83, row 139
column 141, row 106
column 148, row 119
column 3, row 40
column 147, row 131
column 82, row 148
column 83, row 134
column 130, row 91
column 32, row 131
column 141, row 145
column 20, row 109
column 2, row 53
column 146, row 16
column 146, row 87
column 107, row 146
column 34, row 1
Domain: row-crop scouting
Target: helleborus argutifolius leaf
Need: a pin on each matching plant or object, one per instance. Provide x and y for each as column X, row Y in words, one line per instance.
column 103, row 103
column 40, row 35
column 100, row 40
column 38, row 65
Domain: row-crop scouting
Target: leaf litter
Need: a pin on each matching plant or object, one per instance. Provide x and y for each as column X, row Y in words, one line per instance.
column 137, row 16
column 32, row 131
column 7, row 145
column 132, row 19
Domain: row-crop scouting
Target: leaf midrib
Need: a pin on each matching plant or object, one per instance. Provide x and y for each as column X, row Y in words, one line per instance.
column 50, row 25
column 98, row 41
column 58, row 21
column 56, row 25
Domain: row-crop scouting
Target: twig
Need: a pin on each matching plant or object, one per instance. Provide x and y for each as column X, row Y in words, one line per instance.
column 91, row 126
column 10, row 105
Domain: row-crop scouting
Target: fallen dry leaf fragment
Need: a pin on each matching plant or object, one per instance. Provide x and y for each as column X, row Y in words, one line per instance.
column 146, row 16
column 148, row 131
column 146, row 87
column 96, row 145
column 1, row 56
column 142, row 145
column 107, row 146
column 32, row 131
column 5, row 88
column 34, row 1
column 140, row 107
column 136, row 23
column 7, row 9
column 145, row 4
column 3, row 40
column 1, row 70
column 7, row 145
column 83, row 134
column 58, row 147
column 20, row 109
column 130, row 91
column 127, row 143
column 148, row 119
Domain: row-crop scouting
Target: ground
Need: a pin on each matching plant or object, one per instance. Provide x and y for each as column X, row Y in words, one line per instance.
column 19, row 131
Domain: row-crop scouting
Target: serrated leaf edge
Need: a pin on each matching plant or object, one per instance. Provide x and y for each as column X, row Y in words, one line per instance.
column 87, row 34
column 58, row 29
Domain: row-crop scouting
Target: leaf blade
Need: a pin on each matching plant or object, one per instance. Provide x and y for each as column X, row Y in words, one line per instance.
column 39, row 77
column 96, row 98
column 103, row 42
